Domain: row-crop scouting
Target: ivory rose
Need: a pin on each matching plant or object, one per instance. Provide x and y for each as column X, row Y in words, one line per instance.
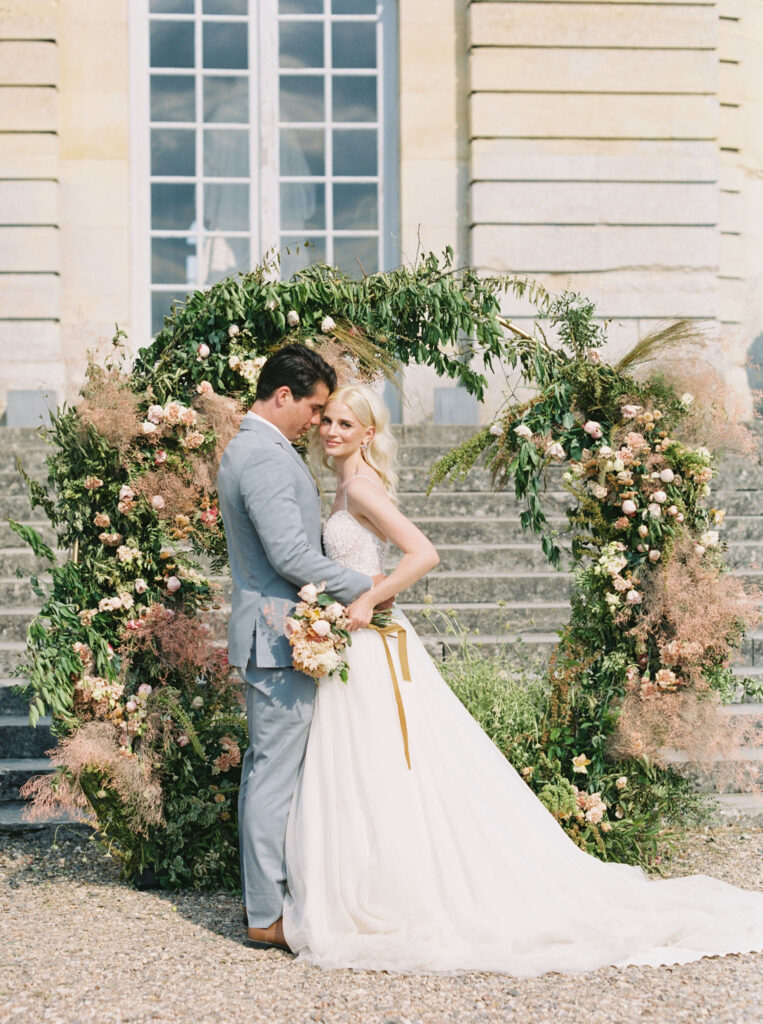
column 321, row 627
column 203, row 350
column 523, row 431
column 173, row 584
column 629, row 507
column 292, row 318
column 309, row 593
column 327, row 325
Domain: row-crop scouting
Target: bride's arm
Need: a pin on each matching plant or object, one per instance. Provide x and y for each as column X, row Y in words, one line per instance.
column 371, row 505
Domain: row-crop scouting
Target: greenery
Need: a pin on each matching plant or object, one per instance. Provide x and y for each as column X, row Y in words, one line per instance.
column 125, row 653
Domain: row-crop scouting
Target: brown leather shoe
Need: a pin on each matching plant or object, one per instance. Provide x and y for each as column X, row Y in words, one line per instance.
column 271, row 937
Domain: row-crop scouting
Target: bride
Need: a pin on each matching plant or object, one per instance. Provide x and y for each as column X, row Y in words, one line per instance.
column 451, row 864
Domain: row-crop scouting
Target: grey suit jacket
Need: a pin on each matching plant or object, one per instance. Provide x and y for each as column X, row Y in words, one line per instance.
column 272, row 517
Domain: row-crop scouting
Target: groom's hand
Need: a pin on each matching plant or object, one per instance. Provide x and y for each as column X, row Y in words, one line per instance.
column 385, row 605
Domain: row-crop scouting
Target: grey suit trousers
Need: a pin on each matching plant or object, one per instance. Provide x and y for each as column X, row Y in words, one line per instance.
column 279, row 707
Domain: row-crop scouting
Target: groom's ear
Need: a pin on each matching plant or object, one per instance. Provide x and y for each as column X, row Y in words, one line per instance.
column 282, row 395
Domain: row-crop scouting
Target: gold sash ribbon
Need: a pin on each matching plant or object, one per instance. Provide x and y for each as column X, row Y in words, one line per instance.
column 397, row 630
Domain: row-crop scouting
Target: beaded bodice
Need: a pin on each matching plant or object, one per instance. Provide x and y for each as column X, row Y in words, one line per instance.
column 349, row 543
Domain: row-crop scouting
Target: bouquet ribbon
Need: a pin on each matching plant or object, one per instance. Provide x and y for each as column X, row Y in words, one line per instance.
column 397, row 630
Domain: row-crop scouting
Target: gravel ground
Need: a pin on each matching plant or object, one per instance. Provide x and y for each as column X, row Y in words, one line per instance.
column 80, row 946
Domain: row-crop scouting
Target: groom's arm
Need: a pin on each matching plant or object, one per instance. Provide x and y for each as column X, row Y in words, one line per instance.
column 270, row 497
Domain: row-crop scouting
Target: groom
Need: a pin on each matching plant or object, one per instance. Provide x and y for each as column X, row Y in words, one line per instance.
column 271, row 513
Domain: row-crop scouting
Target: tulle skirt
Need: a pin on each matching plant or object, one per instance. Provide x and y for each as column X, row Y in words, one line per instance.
column 455, row 865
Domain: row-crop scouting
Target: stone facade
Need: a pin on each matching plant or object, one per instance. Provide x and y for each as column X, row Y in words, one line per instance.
column 612, row 148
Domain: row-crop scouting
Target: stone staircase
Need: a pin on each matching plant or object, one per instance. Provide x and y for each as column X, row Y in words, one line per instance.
column 491, row 575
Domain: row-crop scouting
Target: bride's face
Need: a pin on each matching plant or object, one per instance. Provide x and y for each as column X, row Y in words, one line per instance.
column 341, row 432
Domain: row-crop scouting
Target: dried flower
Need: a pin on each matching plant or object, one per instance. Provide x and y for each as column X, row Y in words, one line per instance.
column 92, row 483
column 102, row 520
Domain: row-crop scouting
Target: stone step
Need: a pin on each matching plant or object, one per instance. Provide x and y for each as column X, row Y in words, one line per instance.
column 19, row 739
column 739, row 772
column 740, row 808
column 13, row 821
column 748, row 720
column 11, row 652
column 15, row 506
column 15, row 771
column 488, row 587
column 9, row 539
column 13, row 483
column 528, row 650
column 14, row 623
column 15, row 591
column 13, row 702
column 22, row 558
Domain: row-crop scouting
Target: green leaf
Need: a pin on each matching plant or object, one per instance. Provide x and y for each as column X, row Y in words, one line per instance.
column 33, row 539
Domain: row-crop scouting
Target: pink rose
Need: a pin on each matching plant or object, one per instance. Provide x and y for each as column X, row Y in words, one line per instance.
column 203, row 350
column 593, row 429
column 629, row 507
column 173, row 584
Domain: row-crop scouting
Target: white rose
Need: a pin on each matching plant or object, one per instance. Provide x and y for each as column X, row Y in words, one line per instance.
column 203, row 350
column 321, row 627
column 555, row 451
column 148, row 427
column 173, row 584
column 605, row 451
column 233, row 330
column 334, row 611
column 158, row 502
column 686, row 399
column 654, row 510
column 155, row 414
column 680, row 517
column 292, row 318
column 660, row 497
column 709, row 538
column 629, row 507
column 496, row 429
column 666, row 475
column 630, row 412
column 523, row 431
column 140, row 586
column 633, row 597
column 308, row 593
column 654, row 555
column 599, row 491
column 234, row 362
column 673, row 510
column 327, row 325
column 643, row 530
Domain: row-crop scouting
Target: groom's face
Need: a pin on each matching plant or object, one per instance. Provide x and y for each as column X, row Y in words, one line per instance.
column 302, row 413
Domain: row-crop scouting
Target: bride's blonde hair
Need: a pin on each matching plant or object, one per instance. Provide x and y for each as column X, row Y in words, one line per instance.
column 371, row 411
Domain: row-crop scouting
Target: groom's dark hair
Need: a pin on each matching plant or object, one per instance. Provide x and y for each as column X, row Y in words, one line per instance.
column 296, row 367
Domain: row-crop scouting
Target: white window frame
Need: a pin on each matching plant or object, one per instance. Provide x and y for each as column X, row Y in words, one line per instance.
column 264, row 182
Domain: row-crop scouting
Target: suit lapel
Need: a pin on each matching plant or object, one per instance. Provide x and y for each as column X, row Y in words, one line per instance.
column 278, row 438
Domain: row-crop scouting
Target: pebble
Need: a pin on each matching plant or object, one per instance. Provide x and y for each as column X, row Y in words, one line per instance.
column 82, row 947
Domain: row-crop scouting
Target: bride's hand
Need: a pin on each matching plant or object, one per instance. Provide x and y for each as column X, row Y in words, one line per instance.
column 359, row 612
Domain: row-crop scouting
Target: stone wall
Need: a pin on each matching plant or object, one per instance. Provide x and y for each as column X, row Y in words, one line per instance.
column 64, row 230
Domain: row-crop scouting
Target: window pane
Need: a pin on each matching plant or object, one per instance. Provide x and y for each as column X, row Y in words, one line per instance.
column 226, row 99
column 300, row 255
column 225, row 45
column 173, row 152
column 355, row 207
column 173, row 98
column 355, row 152
column 226, row 153
column 353, row 6
column 354, row 98
column 171, row 44
column 222, row 257
column 353, row 44
column 173, row 207
column 302, row 152
column 302, row 98
column 303, row 205
column 160, row 307
column 225, row 7
column 300, row 7
column 173, row 261
column 226, row 207
column 301, row 44
column 171, row 6
column 352, row 253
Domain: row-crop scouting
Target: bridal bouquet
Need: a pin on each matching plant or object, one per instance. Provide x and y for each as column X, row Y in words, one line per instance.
column 318, row 633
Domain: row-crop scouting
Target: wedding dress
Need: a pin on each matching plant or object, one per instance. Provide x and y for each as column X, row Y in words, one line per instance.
column 454, row 864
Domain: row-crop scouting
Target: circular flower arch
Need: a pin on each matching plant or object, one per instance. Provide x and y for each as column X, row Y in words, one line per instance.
column 146, row 708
